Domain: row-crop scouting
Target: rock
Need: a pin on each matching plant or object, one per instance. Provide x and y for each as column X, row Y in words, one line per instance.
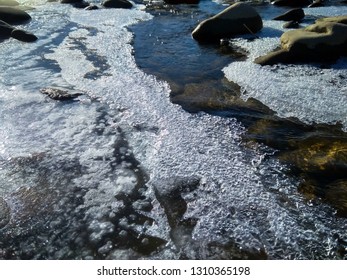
column 8, row 3
column 292, row 3
column 70, row 1
column 291, row 24
column 323, row 41
column 237, row 19
column 280, row 56
column 91, row 7
column 176, row 2
column 23, row 36
column 337, row 19
column 292, row 15
column 13, row 16
column 118, row 4
column 5, row 30
column 60, row 94
column 5, row 213
column 321, row 38
column 81, row 5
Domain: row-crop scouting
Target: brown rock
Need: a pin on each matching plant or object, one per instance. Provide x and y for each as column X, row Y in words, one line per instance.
column 237, row 19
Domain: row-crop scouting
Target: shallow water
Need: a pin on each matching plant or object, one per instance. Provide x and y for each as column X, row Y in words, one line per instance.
column 122, row 172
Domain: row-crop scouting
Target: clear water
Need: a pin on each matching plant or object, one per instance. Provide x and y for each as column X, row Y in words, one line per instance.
column 124, row 173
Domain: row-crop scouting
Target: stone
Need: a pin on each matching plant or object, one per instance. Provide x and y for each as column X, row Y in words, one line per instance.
column 321, row 38
column 292, row 3
column 13, row 15
column 292, row 15
column 118, row 4
column 8, row 3
column 275, row 57
column 176, row 2
column 325, row 40
column 5, row 30
column 237, row 19
column 5, row 213
column 70, row 1
column 91, row 7
column 291, row 24
column 23, row 36
column 60, row 94
column 337, row 19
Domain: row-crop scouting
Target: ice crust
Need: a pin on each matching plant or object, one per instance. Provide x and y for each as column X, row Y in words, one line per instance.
column 308, row 92
column 242, row 197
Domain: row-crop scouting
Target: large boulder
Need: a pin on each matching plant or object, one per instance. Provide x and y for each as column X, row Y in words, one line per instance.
column 292, row 3
column 8, row 3
column 175, row 2
column 118, row 4
column 237, row 19
column 321, row 38
column 13, row 16
column 293, row 15
column 326, row 40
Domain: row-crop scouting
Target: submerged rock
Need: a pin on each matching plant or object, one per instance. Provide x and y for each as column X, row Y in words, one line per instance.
column 237, row 19
column 294, row 14
column 60, row 94
column 5, row 213
column 118, row 4
column 319, row 157
column 326, row 40
column 13, row 15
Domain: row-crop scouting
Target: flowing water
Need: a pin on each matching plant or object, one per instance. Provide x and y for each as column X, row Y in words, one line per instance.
column 123, row 172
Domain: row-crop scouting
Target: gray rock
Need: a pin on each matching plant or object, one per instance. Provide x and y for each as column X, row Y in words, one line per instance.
column 13, row 15
column 60, row 94
column 91, row 7
column 23, row 35
column 8, row 3
column 237, row 19
column 292, row 15
column 118, row 4
column 291, row 24
column 292, row 3
column 5, row 30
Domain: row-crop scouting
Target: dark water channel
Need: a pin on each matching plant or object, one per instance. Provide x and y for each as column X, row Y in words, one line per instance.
column 316, row 154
